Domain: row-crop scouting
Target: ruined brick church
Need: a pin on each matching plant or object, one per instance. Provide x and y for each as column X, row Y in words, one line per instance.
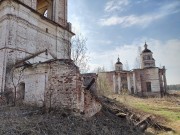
column 148, row 80
column 35, row 57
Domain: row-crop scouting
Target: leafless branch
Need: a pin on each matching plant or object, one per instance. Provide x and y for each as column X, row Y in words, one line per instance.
column 79, row 53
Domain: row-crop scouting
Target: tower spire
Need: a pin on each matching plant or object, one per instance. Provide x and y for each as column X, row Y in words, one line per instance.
column 118, row 59
column 145, row 45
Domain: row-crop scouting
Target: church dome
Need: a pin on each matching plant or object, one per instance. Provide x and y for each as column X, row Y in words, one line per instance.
column 146, row 50
column 118, row 65
column 118, row 61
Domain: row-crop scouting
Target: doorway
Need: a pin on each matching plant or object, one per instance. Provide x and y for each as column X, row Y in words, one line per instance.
column 21, row 91
column 148, row 85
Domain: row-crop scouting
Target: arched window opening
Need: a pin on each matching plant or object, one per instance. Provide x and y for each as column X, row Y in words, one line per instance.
column 44, row 7
column 46, row 13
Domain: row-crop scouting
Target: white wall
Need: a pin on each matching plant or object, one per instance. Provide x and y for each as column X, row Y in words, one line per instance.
column 34, row 88
column 152, row 75
column 2, row 69
column 30, row 33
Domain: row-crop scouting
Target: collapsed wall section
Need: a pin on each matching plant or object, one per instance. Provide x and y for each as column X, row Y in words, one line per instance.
column 56, row 84
column 64, row 86
column 91, row 104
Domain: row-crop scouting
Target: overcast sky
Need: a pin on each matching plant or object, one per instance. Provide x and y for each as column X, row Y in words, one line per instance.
column 119, row 27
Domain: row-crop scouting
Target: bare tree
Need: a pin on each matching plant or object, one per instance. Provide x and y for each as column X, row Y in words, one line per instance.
column 17, row 75
column 137, row 63
column 126, row 65
column 79, row 53
column 103, row 86
column 112, row 65
column 76, row 49
column 99, row 69
column 139, row 56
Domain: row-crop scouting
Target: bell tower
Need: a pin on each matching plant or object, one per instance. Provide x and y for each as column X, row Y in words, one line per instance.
column 147, row 59
column 118, row 65
column 56, row 10
column 29, row 27
column 60, row 12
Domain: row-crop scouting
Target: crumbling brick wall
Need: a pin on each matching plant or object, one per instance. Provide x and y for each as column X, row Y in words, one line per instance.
column 56, row 84
column 90, row 78
column 64, row 86
column 91, row 104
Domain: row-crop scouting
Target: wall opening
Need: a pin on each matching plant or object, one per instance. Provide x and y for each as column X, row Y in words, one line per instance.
column 21, row 90
column 46, row 13
column 148, row 85
column 45, row 7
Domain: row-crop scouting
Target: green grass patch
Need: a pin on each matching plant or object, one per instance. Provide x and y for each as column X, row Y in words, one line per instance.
column 167, row 108
column 158, row 110
column 173, row 116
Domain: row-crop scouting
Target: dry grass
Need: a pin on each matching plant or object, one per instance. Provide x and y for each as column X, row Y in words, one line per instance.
column 166, row 110
column 32, row 121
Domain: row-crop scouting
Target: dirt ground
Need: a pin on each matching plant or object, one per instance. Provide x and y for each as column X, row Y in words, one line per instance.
column 26, row 120
column 116, row 118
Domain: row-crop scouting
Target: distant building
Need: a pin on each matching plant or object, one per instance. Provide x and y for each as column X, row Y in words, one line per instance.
column 147, row 80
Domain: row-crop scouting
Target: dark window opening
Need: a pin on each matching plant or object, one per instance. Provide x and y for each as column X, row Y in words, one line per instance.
column 45, row 7
column 22, row 91
column 148, row 85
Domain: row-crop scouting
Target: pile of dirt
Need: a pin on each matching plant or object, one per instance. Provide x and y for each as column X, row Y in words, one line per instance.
column 26, row 120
